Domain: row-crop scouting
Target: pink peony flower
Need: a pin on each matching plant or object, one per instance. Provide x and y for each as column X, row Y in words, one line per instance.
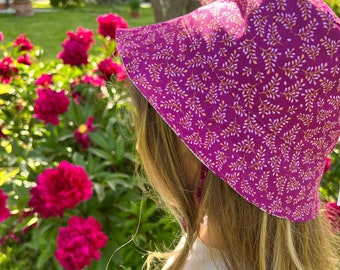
column 61, row 188
column 74, row 53
column 39, row 205
column 75, row 91
column 81, row 133
column 50, row 104
column 77, row 97
column 83, row 35
column 1, row 36
column 4, row 211
column 94, row 80
column 328, row 164
column 79, row 243
column 23, row 43
column 25, row 59
column 333, row 214
column 76, row 47
column 108, row 67
column 109, row 23
column 44, row 80
column 7, row 70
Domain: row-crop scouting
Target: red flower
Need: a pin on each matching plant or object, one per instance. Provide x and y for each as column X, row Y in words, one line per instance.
column 23, row 43
column 39, row 205
column 25, row 59
column 74, row 53
column 328, row 164
column 77, row 97
column 333, row 214
column 94, row 80
column 4, row 211
column 108, row 67
column 49, row 105
column 81, row 133
column 76, row 47
column 44, row 80
column 7, row 70
column 109, row 23
column 74, row 91
column 83, row 35
column 1, row 36
column 60, row 188
column 79, row 243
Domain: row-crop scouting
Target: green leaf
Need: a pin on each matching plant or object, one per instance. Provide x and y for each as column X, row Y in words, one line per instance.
column 132, row 158
column 27, row 222
column 120, row 149
column 120, row 175
column 7, row 146
column 79, row 159
column 100, row 190
column 115, row 182
column 100, row 176
column 100, row 140
column 65, row 137
column 46, row 254
column 4, row 88
column 7, row 175
column 101, row 153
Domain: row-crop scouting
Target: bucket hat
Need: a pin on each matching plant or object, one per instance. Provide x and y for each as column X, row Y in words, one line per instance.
column 253, row 89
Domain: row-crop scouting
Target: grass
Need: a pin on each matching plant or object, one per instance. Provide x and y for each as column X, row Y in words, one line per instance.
column 48, row 29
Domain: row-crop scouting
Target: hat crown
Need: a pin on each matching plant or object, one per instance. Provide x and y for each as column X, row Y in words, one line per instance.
column 273, row 66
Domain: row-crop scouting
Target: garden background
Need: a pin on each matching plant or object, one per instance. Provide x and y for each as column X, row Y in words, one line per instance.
column 67, row 158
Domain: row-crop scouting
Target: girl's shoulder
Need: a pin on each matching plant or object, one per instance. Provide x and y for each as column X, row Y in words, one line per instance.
column 199, row 258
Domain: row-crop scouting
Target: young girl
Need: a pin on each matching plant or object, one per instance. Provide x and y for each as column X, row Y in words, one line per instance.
column 237, row 107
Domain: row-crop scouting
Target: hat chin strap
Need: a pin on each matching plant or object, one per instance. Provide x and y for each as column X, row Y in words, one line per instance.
column 203, row 176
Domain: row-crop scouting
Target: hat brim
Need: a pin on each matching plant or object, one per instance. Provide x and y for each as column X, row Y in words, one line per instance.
column 230, row 120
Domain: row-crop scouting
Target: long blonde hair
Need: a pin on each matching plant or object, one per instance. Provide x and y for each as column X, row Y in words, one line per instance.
column 245, row 237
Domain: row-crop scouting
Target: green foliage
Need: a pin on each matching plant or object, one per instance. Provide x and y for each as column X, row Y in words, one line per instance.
column 134, row 5
column 335, row 5
column 330, row 184
column 132, row 222
column 66, row 3
column 47, row 29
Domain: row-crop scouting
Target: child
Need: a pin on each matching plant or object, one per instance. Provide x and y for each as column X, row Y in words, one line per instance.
column 237, row 109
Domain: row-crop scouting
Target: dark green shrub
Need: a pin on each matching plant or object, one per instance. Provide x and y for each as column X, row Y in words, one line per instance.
column 66, row 3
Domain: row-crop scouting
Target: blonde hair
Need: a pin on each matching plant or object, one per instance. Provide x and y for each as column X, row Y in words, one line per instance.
column 245, row 237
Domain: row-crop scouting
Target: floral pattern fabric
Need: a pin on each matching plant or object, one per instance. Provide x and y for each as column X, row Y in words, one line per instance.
column 252, row 87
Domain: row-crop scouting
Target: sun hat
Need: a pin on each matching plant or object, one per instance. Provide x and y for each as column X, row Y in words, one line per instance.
column 253, row 89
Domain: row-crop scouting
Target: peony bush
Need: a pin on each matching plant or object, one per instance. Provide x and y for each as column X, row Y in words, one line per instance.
column 68, row 195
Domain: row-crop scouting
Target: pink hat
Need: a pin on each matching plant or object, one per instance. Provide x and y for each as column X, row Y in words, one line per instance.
column 253, row 89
